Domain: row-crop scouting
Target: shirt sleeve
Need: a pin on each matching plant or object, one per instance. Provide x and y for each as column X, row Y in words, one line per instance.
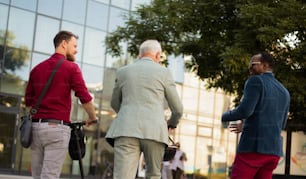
column 173, row 100
column 78, row 85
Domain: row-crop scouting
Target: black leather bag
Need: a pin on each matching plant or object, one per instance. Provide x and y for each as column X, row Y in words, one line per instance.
column 170, row 151
column 77, row 146
column 26, row 131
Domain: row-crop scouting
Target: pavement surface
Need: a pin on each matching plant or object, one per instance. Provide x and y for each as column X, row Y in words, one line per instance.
column 11, row 176
column 4, row 176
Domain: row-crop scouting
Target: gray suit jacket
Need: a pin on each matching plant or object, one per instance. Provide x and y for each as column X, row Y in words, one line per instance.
column 138, row 98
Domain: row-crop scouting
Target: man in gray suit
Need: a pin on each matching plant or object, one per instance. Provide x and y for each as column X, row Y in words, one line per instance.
column 140, row 126
column 264, row 110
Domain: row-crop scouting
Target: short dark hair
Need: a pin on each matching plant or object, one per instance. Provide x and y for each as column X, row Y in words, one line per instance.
column 267, row 58
column 63, row 35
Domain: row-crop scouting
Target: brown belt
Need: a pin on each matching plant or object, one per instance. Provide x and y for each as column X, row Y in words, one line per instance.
column 54, row 121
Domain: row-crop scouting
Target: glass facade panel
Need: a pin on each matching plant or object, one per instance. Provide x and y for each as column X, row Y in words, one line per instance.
column 93, row 75
column 4, row 1
column 188, row 145
column 190, row 96
column 117, row 62
column 37, row 58
column 190, row 117
column 97, row 15
column 46, row 29
column 17, row 63
column 108, row 85
column 177, row 67
column 125, row 4
column 191, row 80
column 50, row 8
column 25, row 4
column 205, row 131
column 137, row 3
column 94, row 50
column 17, row 36
column 75, row 10
column 190, row 128
column 79, row 31
column 222, row 103
column 203, row 154
column 3, row 22
column 16, row 70
column 116, row 18
column 206, row 104
column 205, row 120
column 8, row 122
column 104, row 1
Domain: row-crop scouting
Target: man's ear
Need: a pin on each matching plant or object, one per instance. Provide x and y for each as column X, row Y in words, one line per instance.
column 266, row 65
column 64, row 44
column 157, row 57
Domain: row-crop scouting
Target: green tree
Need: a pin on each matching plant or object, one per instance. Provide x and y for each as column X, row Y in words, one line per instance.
column 221, row 36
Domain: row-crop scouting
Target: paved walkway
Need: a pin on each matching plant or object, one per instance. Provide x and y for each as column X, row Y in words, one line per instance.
column 10, row 176
column 3, row 176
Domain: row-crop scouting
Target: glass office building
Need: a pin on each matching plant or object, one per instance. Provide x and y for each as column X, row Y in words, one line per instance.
column 27, row 28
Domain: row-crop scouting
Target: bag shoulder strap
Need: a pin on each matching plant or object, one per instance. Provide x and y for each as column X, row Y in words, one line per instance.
column 42, row 94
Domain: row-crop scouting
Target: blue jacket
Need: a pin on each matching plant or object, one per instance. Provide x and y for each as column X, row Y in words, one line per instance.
column 264, row 108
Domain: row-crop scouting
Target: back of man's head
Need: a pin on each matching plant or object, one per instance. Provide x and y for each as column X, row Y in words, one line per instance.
column 63, row 35
column 149, row 46
column 267, row 58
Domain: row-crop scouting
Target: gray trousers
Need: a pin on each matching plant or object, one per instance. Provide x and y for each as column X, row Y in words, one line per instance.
column 48, row 149
column 127, row 153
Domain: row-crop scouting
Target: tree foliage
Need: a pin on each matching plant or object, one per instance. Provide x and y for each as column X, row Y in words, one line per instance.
column 15, row 58
column 221, row 36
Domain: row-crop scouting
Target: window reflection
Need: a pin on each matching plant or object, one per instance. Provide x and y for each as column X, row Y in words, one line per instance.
column 79, row 31
column 117, row 62
column 46, row 29
column 25, row 4
column 104, row 1
column 206, row 102
column 4, row 1
column 37, row 58
column 136, row 3
column 108, row 85
column 202, row 153
column 16, row 63
column 94, row 49
column 8, row 101
column 190, row 99
column 3, row 20
column 74, row 10
column 117, row 18
column 20, row 36
column 189, row 128
column 125, row 4
column 50, row 8
column 93, row 76
column 97, row 15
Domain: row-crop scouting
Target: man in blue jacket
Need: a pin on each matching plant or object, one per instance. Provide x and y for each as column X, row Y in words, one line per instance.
column 264, row 108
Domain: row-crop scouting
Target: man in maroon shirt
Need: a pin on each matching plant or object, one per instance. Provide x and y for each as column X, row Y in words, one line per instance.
column 51, row 131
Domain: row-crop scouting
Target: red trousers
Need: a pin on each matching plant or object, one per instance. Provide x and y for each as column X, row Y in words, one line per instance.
column 254, row 166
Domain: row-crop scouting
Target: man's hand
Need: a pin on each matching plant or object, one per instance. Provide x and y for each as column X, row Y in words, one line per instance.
column 91, row 121
column 235, row 126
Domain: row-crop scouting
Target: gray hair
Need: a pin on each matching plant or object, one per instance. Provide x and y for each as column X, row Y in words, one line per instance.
column 152, row 46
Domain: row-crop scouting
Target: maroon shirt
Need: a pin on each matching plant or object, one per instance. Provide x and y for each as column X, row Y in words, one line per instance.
column 56, row 104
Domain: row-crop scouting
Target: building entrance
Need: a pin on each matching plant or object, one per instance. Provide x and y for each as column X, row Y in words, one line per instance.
column 9, row 112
